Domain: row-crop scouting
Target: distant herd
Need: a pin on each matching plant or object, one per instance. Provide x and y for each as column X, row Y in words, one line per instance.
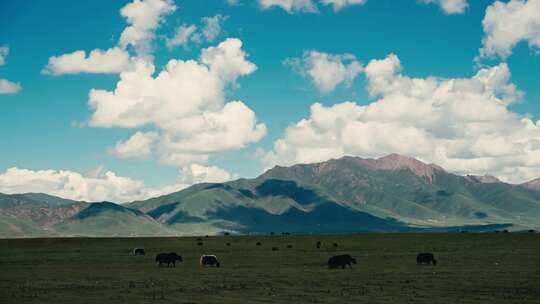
column 337, row 261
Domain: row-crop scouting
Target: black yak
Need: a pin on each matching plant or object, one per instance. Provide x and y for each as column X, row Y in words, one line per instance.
column 275, row 248
column 426, row 258
column 341, row 261
column 169, row 258
column 138, row 251
column 289, row 246
column 258, row 244
column 209, row 260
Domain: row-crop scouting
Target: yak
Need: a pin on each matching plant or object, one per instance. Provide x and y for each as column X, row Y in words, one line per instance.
column 209, row 260
column 341, row 261
column 426, row 258
column 169, row 258
column 138, row 251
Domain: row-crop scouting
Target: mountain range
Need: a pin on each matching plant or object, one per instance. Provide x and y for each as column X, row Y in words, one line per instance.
column 394, row 193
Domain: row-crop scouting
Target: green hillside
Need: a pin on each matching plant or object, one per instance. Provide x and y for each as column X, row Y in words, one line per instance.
column 346, row 195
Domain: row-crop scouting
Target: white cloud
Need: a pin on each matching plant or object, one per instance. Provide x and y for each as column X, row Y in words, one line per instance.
column 340, row 4
column 182, row 36
column 4, row 51
column 212, row 26
column 507, row 24
column 231, row 128
column 143, row 17
column 195, row 174
column 101, row 185
column 290, row 6
column 449, row 6
column 185, row 102
column 326, row 71
column 462, row 124
column 139, row 145
column 113, row 60
column 8, row 87
column 73, row 185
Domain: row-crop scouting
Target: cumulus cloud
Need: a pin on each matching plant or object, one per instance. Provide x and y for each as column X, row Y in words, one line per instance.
column 185, row 102
column 211, row 28
column 462, row 124
column 326, row 71
column 339, row 4
column 449, row 6
column 113, row 60
column 290, row 6
column 143, row 18
column 8, row 87
column 507, row 24
column 72, row 185
column 182, row 36
column 196, row 173
column 139, row 145
column 101, row 185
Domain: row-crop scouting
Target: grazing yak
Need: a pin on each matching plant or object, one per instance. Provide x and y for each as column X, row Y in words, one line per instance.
column 335, row 244
column 341, row 261
column 426, row 258
column 138, row 251
column 289, row 246
column 275, row 249
column 319, row 244
column 258, row 244
column 169, row 258
column 209, row 260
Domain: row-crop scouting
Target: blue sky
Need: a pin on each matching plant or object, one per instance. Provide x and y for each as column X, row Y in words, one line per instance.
column 45, row 126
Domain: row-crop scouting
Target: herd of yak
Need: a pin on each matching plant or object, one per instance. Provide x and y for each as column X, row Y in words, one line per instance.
column 337, row 261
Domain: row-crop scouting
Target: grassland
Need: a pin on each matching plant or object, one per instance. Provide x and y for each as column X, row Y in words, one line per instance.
column 472, row 268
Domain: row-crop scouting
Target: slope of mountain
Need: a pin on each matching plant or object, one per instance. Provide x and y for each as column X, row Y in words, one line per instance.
column 20, row 213
column 486, row 179
column 109, row 219
column 23, row 215
column 534, row 184
column 401, row 191
column 350, row 194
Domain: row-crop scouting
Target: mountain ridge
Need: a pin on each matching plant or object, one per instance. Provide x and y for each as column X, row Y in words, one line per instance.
column 351, row 194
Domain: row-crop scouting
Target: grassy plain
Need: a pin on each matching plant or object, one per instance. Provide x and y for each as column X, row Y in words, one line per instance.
column 472, row 268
